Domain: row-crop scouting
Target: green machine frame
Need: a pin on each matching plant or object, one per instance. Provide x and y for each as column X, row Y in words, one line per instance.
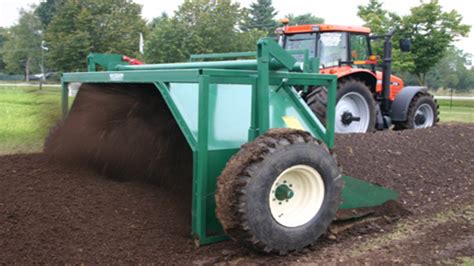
column 198, row 95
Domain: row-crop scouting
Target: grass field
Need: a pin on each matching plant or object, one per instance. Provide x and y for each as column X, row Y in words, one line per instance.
column 459, row 111
column 27, row 113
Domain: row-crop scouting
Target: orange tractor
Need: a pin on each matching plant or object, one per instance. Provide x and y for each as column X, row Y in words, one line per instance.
column 367, row 99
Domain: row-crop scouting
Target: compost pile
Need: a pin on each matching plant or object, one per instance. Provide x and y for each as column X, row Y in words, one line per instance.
column 125, row 132
column 56, row 210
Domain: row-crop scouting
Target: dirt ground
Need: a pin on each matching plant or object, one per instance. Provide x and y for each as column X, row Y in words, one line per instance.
column 53, row 213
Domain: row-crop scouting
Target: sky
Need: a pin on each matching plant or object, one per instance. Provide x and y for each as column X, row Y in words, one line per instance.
column 331, row 11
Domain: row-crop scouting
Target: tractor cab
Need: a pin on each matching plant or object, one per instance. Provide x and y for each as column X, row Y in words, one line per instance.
column 335, row 46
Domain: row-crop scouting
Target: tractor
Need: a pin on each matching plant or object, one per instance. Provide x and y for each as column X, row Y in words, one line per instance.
column 367, row 99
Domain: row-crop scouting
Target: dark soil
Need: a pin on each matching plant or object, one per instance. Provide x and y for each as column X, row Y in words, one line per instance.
column 123, row 131
column 57, row 213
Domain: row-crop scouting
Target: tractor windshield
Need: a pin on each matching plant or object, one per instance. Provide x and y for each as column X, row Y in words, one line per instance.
column 302, row 42
column 332, row 48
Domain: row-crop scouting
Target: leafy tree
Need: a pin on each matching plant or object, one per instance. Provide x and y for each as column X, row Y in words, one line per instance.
column 21, row 51
column 303, row 19
column 80, row 27
column 453, row 71
column 375, row 17
column 156, row 21
column 431, row 30
column 46, row 11
column 3, row 39
column 261, row 16
column 199, row 26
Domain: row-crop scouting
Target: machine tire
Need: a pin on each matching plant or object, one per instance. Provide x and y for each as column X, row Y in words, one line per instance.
column 317, row 101
column 244, row 192
column 422, row 98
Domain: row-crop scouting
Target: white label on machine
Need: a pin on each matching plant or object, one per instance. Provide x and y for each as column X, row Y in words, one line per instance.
column 116, row 77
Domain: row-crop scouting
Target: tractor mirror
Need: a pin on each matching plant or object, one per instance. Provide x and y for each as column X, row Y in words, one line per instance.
column 405, row 45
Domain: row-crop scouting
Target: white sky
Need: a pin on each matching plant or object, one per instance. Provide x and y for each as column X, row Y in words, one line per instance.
column 334, row 11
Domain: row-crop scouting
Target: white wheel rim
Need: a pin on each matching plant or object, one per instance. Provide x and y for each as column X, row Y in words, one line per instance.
column 427, row 113
column 307, row 187
column 356, row 105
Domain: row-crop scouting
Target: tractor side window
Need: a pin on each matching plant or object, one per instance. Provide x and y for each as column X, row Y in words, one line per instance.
column 359, row 47
column 332, row 48
column 301, row 42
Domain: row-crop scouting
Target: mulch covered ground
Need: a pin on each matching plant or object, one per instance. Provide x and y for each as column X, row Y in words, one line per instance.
column 53, row 213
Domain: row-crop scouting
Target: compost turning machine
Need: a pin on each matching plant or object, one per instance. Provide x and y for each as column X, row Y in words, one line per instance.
column 263, row 170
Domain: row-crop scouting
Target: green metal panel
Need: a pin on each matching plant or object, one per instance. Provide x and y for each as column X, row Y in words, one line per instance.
column 106, row 61
column 178, row 114
column 149, row 76
column 361, row 194
column 193, row 57
column 64, row 97
column 217, row 162
column 229, row 122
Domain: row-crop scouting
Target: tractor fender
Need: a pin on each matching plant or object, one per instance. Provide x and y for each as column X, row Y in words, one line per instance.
column 402, row 102
column 346, row 72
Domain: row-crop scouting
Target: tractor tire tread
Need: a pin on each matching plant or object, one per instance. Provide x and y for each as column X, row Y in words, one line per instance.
column 241, row 168
column 412, row 108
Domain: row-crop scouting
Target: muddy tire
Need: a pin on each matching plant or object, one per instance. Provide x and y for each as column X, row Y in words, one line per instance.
column 423, row 112
column 279, row 193
column 353, row 100
column 317, row 100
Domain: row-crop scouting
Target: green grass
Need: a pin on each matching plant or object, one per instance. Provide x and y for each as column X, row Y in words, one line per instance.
column 26, row 114
column 460, row 111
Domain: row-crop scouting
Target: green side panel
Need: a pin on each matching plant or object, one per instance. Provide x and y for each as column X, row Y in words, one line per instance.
column 230, row 111
column 285, row 102
column 217, row 162
column 361, row 194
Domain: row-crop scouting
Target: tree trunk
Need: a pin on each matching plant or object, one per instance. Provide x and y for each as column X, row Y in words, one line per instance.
column 420, row 78
column 27, row 70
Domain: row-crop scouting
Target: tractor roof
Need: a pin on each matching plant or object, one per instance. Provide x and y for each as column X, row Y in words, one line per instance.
column 325, row 28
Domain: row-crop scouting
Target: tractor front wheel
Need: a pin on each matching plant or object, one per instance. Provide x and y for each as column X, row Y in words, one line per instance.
column 422, row 113
column 280, row 192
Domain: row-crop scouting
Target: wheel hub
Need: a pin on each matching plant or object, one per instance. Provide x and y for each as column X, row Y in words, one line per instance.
column 420, row 119
column 283, row 192
column 352, row 107
column 347, row 118
column 424, row 116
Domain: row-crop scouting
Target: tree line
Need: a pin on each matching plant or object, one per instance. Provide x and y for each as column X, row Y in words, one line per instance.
column 63, row 32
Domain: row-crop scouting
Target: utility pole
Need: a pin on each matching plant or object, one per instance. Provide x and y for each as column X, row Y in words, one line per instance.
column 43, row 77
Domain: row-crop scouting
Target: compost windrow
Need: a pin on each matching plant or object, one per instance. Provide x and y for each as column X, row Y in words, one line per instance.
column 124, row 131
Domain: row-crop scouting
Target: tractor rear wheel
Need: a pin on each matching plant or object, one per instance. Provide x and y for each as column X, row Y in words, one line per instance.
column 423, row 112
column 355, row 106
column 279, row 193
